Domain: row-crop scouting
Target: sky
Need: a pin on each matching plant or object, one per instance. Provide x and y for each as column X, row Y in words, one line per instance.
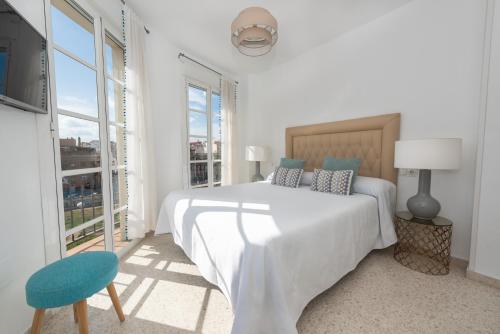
column 76, row 83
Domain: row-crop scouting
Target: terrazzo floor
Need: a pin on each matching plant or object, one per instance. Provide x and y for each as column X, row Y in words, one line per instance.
column 162, row 292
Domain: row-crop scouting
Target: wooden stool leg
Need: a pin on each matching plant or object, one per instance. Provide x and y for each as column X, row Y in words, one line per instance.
column 37, row 321
column 116, row 301
column 81, row 313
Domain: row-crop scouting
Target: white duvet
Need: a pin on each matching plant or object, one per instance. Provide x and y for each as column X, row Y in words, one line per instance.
column 272, row 249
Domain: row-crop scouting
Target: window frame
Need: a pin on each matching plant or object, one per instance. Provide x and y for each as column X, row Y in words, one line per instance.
column 101, row 28
column 190, row 82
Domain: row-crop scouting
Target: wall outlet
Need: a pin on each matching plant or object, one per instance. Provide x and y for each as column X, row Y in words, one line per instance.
column 408, row 172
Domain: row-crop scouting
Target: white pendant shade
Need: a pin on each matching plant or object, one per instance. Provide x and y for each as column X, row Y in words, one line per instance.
column 254, row 31
column 439, row 153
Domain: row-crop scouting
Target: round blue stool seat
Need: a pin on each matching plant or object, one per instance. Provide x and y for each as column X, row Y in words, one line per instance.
column 71, row 279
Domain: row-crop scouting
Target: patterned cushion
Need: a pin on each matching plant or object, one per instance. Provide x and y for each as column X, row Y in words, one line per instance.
column 287, row 177
column 329, row 181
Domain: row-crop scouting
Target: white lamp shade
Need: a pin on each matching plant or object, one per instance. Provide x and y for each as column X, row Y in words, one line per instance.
column 439, row 153
column 255, row 153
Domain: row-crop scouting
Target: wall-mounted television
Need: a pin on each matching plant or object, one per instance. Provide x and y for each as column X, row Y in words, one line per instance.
column 23, row 62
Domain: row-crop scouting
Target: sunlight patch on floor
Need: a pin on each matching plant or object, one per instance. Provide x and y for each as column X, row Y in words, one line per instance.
column 215, row 321
column 138, row 260
column 137, row 295
column 173, row 304
column 145, row 252
column 123, row 278
column 183, row 268
column 161, row 265
column 101, row 300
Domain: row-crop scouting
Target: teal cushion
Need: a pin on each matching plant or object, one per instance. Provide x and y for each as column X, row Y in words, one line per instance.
column 292, row 163
column 71, row 279
column 332, row 163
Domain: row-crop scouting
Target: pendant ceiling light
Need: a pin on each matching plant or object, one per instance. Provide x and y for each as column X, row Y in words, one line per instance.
column 254, row 31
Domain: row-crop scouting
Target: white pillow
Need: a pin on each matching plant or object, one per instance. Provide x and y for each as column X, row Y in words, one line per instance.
column 307, row 178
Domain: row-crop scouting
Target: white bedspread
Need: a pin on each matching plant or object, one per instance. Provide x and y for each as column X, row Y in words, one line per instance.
column 272, row 249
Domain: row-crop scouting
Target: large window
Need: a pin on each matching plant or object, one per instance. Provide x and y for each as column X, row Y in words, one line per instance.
column 205, row 137
column 91, row 131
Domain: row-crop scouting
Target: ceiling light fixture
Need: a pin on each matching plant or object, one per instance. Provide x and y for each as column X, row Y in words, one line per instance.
column 254, row 31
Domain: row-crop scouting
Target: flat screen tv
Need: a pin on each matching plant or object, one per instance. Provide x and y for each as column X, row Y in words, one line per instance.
column 23, row 62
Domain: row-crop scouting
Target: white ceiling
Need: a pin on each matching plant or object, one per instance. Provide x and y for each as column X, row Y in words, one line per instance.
column 202, row 28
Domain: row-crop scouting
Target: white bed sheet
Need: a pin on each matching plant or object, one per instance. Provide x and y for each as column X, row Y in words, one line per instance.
column 272, row 249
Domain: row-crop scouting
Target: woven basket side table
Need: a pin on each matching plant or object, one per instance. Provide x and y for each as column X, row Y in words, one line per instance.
column 423, row 245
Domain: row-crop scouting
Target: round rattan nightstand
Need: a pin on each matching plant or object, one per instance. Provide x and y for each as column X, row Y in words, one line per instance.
column 423, row 245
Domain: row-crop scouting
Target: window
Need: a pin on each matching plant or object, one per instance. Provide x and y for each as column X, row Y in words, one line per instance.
column 91, row 133
column 205, row 136
column 114, row 63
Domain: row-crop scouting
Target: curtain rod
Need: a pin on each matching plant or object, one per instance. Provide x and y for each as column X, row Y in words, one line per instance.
column 182, row 55
column 145, row 28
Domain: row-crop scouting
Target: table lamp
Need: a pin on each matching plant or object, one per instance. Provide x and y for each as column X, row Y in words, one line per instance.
column 257, row 154
column 425, row 155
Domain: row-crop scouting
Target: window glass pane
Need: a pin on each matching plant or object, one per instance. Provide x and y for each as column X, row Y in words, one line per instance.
column 199, row 173
column 217, row 171
column 116, row 138
column 73, row 31
column 198, row 148
column 119, row 188
column 79, row 142
column 115, row 101
column 198, row 124
column 89, row 239
column 114, row 59
column 76, row 86
column 197, row 98
column 82, row 198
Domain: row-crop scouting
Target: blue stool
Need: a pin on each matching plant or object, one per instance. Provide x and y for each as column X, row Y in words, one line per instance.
column 71, row 281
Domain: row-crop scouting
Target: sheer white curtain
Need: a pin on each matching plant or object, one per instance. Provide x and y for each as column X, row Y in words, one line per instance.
column 229, row 133
column 140, row 167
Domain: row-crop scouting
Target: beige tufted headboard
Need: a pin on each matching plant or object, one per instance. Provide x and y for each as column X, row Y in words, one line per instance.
column 370, row 139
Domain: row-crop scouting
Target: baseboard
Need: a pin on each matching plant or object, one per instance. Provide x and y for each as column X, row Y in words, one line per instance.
column 459, row 262
column 472, row 275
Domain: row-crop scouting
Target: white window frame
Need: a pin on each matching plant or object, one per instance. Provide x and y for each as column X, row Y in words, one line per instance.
column 210, row 161
column 100, row 28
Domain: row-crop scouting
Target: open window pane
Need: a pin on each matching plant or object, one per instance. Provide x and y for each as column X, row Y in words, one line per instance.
column 197, row 98
column 119, row 188
column 198, row 125
column 76, row 86
column 199, row 173
column 197, row 148
column 73, row 31
column 114, row 59
column 114, row 101
column 79, row 143
column 117, row 143
column 217, row 171
column 82, row 198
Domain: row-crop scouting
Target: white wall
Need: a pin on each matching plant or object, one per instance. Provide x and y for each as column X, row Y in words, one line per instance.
column 422, row 60
column 485, row 247
column 26, row 173
column 166, row 86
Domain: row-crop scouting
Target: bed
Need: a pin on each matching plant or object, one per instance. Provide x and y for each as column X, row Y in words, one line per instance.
column 272, row 249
